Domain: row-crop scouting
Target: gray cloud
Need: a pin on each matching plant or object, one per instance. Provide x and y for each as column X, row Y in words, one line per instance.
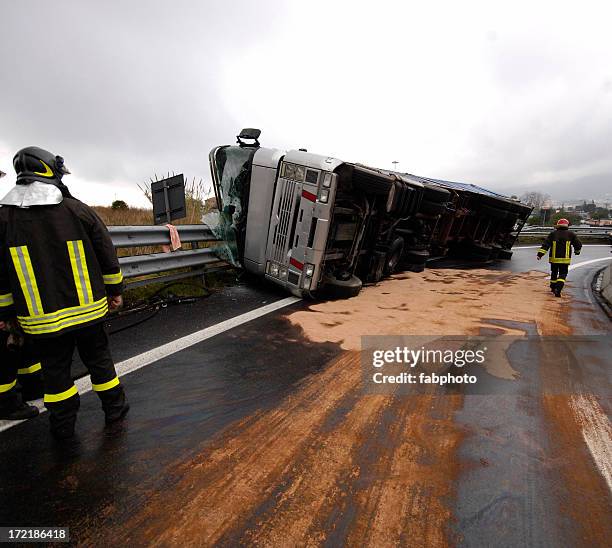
column 126, row 89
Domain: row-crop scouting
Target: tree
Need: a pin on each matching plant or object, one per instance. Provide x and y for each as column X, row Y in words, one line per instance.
column 571, row 217
column 600, row 213
column 119, row 204
column 535, row 199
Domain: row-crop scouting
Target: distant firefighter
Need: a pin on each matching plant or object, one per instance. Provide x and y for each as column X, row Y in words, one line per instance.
column 59, row 275
column 559, row 244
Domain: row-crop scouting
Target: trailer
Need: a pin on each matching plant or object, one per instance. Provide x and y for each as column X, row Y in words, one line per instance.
column 320, row 226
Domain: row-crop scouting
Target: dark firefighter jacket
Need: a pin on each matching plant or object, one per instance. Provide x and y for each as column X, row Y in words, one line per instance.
column 57, row 267
column 560, row 242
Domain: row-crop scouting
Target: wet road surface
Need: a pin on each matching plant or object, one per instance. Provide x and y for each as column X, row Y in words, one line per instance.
column 262, row 435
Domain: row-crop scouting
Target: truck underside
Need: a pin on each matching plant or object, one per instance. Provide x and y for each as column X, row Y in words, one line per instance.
column 318, row 225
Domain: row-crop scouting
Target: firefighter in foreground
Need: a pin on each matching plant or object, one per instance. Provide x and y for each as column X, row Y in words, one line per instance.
column 559, row 244
column 59, row 275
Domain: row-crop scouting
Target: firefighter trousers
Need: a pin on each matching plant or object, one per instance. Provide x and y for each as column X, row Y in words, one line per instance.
column 558, row 275
column 61, row 395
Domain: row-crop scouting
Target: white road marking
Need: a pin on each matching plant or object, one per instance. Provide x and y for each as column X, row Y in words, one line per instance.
column 584, row 263
column 596, row 431
column 146, row 358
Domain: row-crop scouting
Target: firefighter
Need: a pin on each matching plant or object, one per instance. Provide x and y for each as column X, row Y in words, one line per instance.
column 59, row 276
column 559, row 244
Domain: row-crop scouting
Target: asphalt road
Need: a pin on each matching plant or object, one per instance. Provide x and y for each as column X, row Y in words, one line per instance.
column 187, row 445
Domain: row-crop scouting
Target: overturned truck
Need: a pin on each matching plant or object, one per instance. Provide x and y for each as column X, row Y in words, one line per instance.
column 320, row 226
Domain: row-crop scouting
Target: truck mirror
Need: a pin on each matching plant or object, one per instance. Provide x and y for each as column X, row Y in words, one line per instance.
column 249, row 133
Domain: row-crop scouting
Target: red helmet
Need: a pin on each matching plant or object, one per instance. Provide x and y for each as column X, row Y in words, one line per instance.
column 563, row 222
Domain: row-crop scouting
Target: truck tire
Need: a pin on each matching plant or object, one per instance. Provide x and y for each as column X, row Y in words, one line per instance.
column 478, row 252
column 394, row 256
column 337, row 288
column 415, row 256
column 370, row 184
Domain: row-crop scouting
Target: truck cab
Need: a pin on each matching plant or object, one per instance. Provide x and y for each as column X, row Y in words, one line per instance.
column 301, row 219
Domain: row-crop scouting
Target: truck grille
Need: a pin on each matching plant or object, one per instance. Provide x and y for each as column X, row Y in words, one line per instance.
column 280, row 242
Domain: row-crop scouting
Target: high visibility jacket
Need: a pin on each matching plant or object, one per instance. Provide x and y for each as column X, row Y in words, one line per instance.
column 559, row 244
column 57, row 267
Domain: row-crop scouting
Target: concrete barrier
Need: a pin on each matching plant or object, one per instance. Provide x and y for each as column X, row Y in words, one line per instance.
column 606, row 284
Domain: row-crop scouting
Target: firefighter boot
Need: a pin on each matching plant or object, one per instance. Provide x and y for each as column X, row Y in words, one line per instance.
column 18, row 412
column 114, row 404
column 13, row 408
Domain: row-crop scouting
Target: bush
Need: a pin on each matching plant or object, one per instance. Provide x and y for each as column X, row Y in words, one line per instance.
column 119, row 204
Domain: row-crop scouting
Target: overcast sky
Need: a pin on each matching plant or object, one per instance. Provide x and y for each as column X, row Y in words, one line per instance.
column 507, row 97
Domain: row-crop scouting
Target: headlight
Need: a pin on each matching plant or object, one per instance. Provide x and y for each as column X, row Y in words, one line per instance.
column 283, row 272
column 327, row 180
column 293, row 172
column 288, row 171
column 274, row 270
column 308, row 270
column 324, row 195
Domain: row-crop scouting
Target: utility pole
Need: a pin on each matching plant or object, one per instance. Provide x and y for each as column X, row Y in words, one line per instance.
column 395, row 162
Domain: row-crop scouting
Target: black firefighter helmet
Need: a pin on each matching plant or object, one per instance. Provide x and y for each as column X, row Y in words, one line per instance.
column 36, row 164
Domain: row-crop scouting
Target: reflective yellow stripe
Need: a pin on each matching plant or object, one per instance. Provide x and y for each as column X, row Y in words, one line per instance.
column 110, row 279
column 553, row 253
column 63, row 323
column 105, row 385
column 80, row 272
column 560, row 261
column 47, row 172
column 542, row 250
column 561, row 279
column 52, row 398
column 6, row 300
column 60, row 314
column 7, row 387
column 567, row 249
column 25, row 273
column 29, row 370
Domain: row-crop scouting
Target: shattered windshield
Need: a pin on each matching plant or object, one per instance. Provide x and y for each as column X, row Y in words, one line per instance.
column 231, row 176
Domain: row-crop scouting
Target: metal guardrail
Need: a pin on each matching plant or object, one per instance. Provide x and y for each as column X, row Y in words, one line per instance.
column 603, row 232
column 133, row 236
column 199, row 261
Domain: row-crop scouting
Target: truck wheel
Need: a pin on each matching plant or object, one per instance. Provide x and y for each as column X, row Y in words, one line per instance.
column 479, row 252
column 505, row 254
column 415, row 256
column 337, row 288
column 371, row 184
column 394, row 256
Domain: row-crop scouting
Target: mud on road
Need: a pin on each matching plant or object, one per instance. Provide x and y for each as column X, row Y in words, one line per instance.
column 330, row 465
